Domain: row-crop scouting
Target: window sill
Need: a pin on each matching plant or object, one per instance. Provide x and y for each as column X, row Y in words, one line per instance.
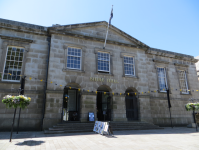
column 10, row 82
column 106, row 74
column 73, row 70
column 186, row 93
column 161, row 92
column 128, row 76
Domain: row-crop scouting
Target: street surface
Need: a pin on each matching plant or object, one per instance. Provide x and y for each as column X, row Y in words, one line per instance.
column 165, row 139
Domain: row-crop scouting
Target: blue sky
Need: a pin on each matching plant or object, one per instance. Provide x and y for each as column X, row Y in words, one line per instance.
column 171, row 25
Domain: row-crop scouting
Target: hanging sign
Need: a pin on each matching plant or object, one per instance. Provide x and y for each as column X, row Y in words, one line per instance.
column 91, row 116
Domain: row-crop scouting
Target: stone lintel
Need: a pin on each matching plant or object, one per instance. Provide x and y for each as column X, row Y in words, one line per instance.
column 71, row 70
column 89, row 93
column 144, row 96
column 55, row 91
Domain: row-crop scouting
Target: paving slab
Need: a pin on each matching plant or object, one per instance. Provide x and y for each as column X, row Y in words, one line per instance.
column 166, row 139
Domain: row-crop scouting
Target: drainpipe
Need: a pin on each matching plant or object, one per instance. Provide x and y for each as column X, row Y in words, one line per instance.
column 45, row 87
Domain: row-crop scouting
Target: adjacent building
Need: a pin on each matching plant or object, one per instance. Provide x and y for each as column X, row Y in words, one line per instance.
column 197, row 67
column 69, row 74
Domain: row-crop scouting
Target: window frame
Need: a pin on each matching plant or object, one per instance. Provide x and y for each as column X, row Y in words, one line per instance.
column 103, row 71
column 183, row 67
column 15, row 42
column 186, row 81
column 74, row 56
column 166, row 80
column 129, row 54
column 131, row 64
column 6, row 61
column 83, row 50
column 111, row 55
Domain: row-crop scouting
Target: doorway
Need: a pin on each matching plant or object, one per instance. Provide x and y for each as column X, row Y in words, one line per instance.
column 104, row 103
column 131, row 106
column 71, row 99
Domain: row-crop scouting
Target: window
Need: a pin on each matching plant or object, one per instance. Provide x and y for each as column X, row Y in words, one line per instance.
column 162, row 79
column 183, row 82
column 129, row 66
column 103, row 62
column 13, row 64
column 74, row 58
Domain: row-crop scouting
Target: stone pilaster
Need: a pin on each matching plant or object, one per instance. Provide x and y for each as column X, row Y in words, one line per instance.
column 119, row 109
column 53, row 109
column 145, row 109
column 88, row 104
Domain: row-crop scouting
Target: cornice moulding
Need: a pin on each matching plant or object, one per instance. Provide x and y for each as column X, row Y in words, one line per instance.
column 160, row 61
column 182, row 65
column 163, row 53
column 16, row 38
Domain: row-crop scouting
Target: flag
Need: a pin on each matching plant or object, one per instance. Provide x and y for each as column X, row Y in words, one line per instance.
column 111, row 16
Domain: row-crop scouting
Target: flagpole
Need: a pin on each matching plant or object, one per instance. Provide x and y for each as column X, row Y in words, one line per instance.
column 106, row 36
column 108, row 28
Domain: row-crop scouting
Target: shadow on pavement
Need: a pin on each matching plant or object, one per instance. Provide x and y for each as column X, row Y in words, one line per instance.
column 30, row 143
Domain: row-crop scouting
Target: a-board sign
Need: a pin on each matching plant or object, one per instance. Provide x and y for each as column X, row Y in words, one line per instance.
column 91, row 116
column 100, row 127
column 95, row 129
column 197, row 118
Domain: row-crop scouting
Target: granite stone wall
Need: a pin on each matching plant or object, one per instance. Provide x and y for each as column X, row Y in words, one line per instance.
column 152, row 106
column 33, row 40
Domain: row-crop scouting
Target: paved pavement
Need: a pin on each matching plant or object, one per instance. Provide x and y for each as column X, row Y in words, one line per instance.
column 164, row 139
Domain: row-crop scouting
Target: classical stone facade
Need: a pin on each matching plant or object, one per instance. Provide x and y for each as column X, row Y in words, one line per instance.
column 53, row 43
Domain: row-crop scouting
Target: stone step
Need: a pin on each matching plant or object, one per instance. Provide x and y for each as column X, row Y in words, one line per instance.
column 65, row 131
column 91, row 130
column 89, row 126
column 71, row 127
column 114, row 129
column 85, row 127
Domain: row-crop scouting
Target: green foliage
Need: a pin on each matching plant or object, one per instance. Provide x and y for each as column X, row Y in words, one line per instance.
column 16, row 101
column 192, row 106
column 0, row 75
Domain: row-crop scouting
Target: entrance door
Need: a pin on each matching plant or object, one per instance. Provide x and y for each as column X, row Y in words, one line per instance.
column 103, row 107
column 131, row 108
column 71, row 105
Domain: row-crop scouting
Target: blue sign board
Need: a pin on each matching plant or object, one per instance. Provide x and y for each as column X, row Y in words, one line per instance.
column 91, row 116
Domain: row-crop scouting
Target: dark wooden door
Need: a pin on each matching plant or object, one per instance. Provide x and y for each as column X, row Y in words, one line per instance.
column 131, row 108
column 72, row 114
column 103, row 107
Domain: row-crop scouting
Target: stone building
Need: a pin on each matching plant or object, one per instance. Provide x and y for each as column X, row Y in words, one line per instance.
column 197, row 67
column 125, row 81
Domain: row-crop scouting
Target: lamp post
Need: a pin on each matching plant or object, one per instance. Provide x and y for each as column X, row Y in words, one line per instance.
column 194, row 117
